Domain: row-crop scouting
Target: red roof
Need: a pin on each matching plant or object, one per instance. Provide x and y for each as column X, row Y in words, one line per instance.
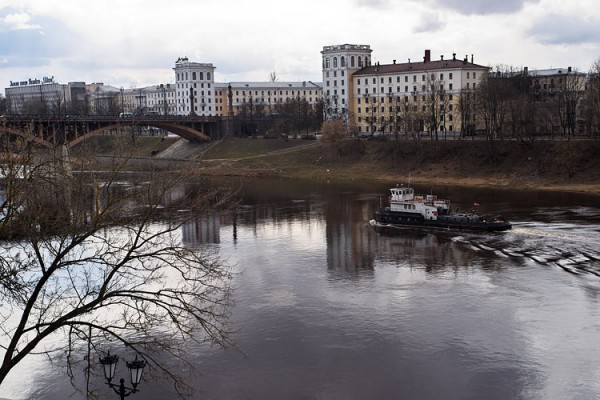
column 417, row 67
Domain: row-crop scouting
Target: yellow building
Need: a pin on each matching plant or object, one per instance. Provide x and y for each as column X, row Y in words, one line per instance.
column 413, row 96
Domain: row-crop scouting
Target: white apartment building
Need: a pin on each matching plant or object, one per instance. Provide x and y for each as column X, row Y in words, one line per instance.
column 264, row 97
column 194, row 85
column 161, row 99
column 340, row 62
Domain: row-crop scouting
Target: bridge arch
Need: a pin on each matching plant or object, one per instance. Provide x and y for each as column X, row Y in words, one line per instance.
column 183, row 131
column 25, row 135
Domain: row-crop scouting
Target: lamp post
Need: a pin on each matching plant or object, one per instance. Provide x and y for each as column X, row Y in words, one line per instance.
column 136, row 367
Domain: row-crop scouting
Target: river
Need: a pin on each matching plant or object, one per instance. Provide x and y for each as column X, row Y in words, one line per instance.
column 328, row 309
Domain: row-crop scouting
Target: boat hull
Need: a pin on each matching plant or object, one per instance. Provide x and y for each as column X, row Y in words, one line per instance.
column 390, row 220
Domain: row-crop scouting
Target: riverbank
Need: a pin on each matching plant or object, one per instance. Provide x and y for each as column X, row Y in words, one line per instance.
column 548, row 165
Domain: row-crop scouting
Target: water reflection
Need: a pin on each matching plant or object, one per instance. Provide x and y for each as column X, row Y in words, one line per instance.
column 327, row 308
column 204, row 230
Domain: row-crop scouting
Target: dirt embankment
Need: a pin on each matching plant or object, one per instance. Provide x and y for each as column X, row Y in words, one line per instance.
column 555, row 165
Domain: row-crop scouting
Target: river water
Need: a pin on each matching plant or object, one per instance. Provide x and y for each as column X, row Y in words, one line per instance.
column 328, row 309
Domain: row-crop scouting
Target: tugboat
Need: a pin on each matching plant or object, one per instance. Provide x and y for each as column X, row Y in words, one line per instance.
column 408, row 209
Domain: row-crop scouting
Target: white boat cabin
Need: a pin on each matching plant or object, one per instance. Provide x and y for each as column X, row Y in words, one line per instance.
column 403, row 199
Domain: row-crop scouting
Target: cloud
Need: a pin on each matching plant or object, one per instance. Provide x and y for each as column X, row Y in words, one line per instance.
column 36, row 45
column 18, row 21
column 482, row 7
column 376, row 4
column 429, row 23
column 573, row 30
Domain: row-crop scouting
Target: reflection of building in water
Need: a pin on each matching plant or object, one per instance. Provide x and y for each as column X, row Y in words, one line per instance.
column 203, row 230
column 350, row 241
column 174, row 194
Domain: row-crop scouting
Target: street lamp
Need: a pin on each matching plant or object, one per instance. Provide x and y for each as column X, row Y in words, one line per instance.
column 136, row 367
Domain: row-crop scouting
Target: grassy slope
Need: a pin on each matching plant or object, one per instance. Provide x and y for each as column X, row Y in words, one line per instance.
column 561, row 165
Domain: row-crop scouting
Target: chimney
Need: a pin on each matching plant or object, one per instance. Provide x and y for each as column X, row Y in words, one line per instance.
column 394, row 61
column 453, row 56
column 569, row 69
column 442, row 56
column 526, row 71
column 427, row 57
column 471, row 58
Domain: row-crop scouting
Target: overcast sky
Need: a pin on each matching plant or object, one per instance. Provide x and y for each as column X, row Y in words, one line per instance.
column 133, row 43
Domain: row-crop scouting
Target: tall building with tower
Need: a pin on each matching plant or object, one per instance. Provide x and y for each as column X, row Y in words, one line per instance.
column 339, row 64
column 194, row 88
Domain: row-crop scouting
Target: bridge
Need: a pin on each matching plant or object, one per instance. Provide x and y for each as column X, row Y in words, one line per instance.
column 49, row 130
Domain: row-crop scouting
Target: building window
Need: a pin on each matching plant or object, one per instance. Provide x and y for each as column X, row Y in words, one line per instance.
column 343, row 61
column 441, row 77
column 423, row 77
column 473, row 76
column 449, row 86
column 468, row 74
column 450, row 75
column 352, row 61
column 334, row 62
column 327, row 64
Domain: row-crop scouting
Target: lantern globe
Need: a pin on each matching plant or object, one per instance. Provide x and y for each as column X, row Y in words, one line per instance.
column 136, row 367
column 109, row 365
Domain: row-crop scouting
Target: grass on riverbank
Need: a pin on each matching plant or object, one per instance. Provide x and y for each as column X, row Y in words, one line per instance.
column 555, row 165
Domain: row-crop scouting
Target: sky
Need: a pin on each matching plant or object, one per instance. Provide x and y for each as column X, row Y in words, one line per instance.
column 135, row 43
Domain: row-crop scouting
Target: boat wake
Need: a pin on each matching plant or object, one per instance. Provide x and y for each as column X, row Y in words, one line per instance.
column 574, row 248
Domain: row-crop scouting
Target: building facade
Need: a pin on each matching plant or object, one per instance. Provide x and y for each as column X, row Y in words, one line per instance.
column 161, row 99
column 397, row 97
column 42, row 96
column 413, row 96
column 264, row 98
column 194, row 84
column 339, row 63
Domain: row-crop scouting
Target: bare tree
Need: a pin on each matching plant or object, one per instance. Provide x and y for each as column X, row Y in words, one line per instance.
column 99, row 265
column 467, row 110
column 569, row 93
column 436, row 102
column 334, row 134
column 3, row 104
column 493, row 96
column 592, row 100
